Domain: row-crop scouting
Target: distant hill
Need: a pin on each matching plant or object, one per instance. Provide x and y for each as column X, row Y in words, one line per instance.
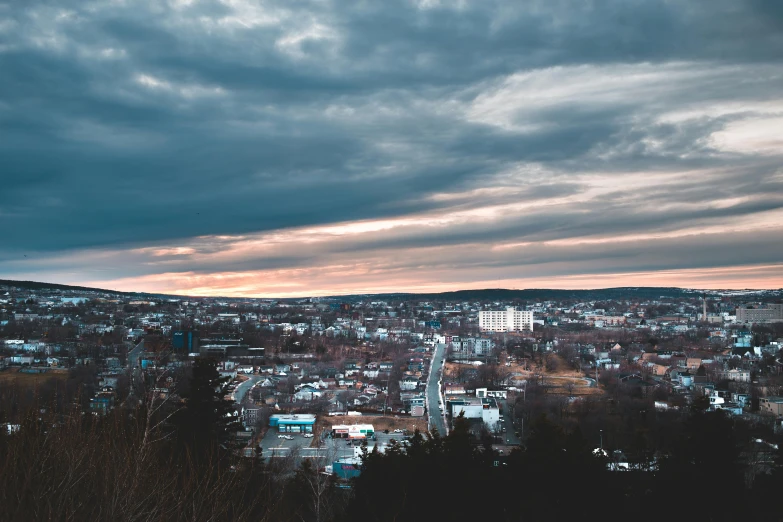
column 488, row 294
column 543, row 294
column 36, row 285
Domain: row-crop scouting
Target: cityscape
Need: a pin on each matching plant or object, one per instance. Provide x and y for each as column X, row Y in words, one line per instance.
column 322, row 384
column 401, row 260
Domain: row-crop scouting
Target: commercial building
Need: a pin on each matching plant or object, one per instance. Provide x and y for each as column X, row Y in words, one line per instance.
column 485, row 409
column 292, row 423
column 346, row 468
column 508, row 320
column 353, row 431
column 185, row 342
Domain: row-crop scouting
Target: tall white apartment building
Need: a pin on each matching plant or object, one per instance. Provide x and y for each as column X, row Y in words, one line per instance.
column 508, row 320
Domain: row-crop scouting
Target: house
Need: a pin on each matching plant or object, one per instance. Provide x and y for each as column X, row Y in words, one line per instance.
column 361, row 400
column 659, row 370
column 743, row 399
column 409, row 383
column 307, row 393
column 735, row 375
column 454, row 389
column 416, row 364
column 685, row 378
column 411, row 399
column 250, row 415
column 720, row 403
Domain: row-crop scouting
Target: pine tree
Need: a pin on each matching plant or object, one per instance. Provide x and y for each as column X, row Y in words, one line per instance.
column 207, row 418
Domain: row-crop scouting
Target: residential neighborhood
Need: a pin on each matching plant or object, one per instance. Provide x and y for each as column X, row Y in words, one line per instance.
column 324, row 358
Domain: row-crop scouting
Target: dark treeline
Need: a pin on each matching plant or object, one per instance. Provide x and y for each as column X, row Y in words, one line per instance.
column 158, row 461
column 146, row 460
column 559, row 476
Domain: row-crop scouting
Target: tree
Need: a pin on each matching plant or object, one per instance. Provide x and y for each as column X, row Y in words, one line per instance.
column 207, row 418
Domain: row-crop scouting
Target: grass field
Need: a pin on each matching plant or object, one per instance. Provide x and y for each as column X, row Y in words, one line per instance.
column 14, row 376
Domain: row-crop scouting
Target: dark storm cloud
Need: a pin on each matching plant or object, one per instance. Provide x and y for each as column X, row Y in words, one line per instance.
column 129, row 124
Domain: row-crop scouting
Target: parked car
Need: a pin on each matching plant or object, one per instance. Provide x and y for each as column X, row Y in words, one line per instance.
column 281, row 436
column 398, row 430
column 308, row 435
column 288, row 437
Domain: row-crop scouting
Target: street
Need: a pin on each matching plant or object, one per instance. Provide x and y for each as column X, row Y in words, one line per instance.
column 243, row 388
column 133, row 355
column 433, row 392
column 508, row 437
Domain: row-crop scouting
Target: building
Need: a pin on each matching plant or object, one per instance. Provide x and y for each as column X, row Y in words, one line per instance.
column 185, row 342
column 735, row 375
column 760, row 315
column 508, row 320
column 409, row 383
column 485, row 409
column 347, row 468
column 292, row 423
column 773, row 405
column 353, row 431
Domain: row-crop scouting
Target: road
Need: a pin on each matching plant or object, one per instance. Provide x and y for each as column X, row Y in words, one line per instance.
column 242, row 389
column 133, row 355
column 508, row 437
column 433, row 391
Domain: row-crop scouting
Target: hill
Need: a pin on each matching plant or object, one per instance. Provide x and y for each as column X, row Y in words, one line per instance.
column 488, row 294
column 543, row 294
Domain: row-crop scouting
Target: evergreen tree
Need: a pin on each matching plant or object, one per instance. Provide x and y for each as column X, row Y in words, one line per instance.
column 207, row 418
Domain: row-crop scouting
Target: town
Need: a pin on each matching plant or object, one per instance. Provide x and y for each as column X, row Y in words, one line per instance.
column 325, row 379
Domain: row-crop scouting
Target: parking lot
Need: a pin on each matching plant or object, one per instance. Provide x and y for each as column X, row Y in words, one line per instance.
column 272, row 444
column 331, row 448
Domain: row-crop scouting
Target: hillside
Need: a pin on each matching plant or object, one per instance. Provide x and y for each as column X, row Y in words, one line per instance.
column 489, row 294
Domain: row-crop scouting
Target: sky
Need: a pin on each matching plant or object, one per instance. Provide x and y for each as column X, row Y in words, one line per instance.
column 303, row 148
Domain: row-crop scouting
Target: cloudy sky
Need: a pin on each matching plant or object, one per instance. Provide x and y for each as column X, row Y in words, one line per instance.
column 295, row 147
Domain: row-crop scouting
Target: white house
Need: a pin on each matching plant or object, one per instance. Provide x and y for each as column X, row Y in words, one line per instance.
column 307, row 393
column 409, row 383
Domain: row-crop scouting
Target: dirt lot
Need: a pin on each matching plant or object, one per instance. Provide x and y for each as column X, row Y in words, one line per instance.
column 12, row 375
column 561, row 381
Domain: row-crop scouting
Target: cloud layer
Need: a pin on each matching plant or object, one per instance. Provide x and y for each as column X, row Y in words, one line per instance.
column 315, row 147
